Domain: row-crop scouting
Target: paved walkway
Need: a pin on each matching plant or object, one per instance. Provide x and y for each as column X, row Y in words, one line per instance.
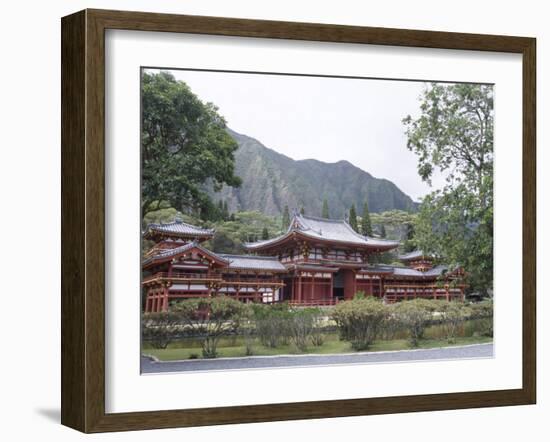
column 459, row 352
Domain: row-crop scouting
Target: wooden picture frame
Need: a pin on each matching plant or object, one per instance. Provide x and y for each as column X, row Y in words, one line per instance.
column 83, row 220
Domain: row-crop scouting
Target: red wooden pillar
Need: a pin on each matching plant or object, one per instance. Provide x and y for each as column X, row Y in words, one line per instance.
column 313, row 286
column 165, row 300
column 300, row 288
column 146, row 308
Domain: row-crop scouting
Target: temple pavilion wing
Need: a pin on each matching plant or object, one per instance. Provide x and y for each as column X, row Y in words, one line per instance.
column 254, row 263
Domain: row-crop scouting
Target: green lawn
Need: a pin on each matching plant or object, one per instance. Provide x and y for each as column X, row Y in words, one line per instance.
column 332, row 345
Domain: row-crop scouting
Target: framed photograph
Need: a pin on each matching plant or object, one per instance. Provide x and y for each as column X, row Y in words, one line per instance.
column 269, row 221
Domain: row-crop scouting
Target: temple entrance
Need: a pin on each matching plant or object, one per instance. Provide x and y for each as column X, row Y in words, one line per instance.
column 338, row 285
column 343, row 284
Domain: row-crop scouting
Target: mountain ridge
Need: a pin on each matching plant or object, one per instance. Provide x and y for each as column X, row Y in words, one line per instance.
column 272, row 180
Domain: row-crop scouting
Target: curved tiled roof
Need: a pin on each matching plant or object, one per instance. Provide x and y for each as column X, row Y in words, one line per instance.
column 248, row 262
column 178, row 228
column 406, row 271
column 168, row 253
column 415, row 254
column 326, row 230
column 436, row 271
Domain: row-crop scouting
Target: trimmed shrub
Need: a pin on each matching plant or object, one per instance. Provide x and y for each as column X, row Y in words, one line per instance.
column 272, row 324
column 301, row 324
column 159, row 329
column 452, row 314
column 211, row 318
column 415, row 315
column 391, row 325
column 359, row 321
column 484, row 312
column 317, row 335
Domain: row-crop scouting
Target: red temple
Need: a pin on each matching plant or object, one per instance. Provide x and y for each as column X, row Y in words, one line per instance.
column 316, row 262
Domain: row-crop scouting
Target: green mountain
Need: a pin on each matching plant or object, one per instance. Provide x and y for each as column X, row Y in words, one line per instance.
column 272, row 180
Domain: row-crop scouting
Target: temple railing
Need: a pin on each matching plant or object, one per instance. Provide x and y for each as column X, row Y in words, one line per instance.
column 223, row 280
column 237, row 280
column 397, row 292
column 183, row 277
column 313, row 302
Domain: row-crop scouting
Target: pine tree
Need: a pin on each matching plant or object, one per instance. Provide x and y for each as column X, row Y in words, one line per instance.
column 366, row 225
column 220, row 209
column 225, row 211
column 302, row 211
column 286, row 218
column 353, row 218
column 382, row 231
column 265, row 233
column 410, row 243
column 325, row 213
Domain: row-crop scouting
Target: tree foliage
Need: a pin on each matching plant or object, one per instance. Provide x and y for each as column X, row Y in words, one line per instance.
column 286, row 218
column 366, row 224
column 184, row 145
column 301, row 326
column 414, row 315
column 454, row 134
column 272, row 324
column 353, row 218
column 452, row 314
column 410, row 243
column 211, row 318
column 325, row 213
column 360, row 320
column 160, row 329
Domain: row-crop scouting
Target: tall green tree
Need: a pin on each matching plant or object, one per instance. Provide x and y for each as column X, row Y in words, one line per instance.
column 184, row 146
column 382, row 231
column 225, row 211
column 366, row 224
column 454, row 134
column 325, row 213
column 302, row 211
column 353, row 218
column 265, row 233
column 286, row 218
column 409, row 244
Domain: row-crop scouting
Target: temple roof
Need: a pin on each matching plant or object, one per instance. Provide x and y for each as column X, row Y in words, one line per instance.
column 165, row 254
column 415, row 254
column 325, row 230
column 436, row 271
column 248, row 262
column 178, row 228
column 377, row 268
column 405, row 271
column 432, row 273
column 313, row 267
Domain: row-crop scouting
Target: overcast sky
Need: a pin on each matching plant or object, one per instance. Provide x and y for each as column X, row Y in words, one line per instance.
column 329, row 119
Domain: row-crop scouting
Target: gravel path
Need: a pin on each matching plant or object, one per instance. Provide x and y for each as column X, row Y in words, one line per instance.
column 460, row 352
